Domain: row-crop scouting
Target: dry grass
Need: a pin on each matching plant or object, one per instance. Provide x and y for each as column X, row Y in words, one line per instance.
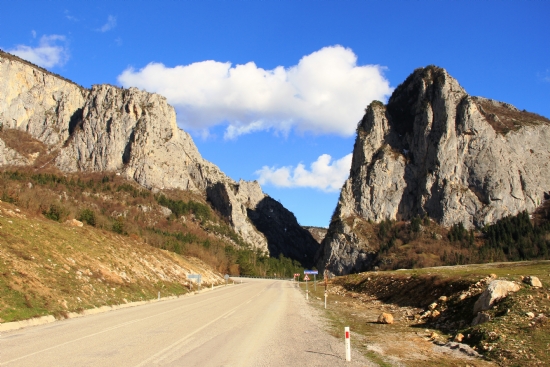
column 504, row 118
column 48, row 267
column 509, row 339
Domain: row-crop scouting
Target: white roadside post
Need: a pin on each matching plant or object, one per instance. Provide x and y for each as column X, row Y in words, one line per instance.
column 159, row 296
column 307, row 291
column 326, row 280
column 348, row 344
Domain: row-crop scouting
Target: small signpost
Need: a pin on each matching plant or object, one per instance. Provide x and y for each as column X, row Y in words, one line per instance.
column 226, row 277
column 306, row 278
column 348, row 343
column 197, row 277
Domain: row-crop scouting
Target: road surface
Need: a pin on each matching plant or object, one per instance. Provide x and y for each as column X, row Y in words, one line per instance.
column 257, row 323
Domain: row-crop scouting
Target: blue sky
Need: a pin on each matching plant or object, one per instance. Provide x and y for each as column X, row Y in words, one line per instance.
column 268, row 88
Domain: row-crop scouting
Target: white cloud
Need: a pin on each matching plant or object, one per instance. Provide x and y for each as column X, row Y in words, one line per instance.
column 111, row 23
column 323, row 174
column 33, row 32
column 51, row 51
column 70, row 17
column 325, row 93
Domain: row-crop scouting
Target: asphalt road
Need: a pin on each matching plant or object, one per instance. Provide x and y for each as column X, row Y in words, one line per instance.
column 257, row 323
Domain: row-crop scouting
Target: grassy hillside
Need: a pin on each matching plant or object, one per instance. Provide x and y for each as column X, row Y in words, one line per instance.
column 175, row 220
column 48, row 267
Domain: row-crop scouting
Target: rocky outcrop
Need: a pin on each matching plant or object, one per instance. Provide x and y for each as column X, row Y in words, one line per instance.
column 38, row 102
column 434, row 150
column 495, row 291
column 318, row 233
column 134, row 133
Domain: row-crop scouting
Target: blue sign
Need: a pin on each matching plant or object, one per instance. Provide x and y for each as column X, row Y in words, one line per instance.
column 311, row 272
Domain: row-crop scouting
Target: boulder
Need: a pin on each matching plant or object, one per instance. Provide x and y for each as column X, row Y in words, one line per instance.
column 74, row 223
column 495, row 291
column 385, row 318
column 532, row 281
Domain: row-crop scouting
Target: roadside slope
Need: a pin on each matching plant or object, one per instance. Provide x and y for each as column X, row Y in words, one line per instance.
column 51, row 268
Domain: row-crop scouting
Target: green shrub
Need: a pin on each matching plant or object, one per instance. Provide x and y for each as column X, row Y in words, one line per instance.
column 55, row 212
column 415, row 224
column 88, row 216
column 118, row 226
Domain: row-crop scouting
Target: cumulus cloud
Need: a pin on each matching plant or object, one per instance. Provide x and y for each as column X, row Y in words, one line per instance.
column 324, row 174
column 51, row 51
column 111, row 23
column 325, row 93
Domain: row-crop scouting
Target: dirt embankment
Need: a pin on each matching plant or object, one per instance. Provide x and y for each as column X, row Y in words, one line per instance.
column 438, row 303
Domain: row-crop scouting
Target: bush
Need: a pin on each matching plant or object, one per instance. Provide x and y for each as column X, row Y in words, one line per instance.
column 54, row 213
column 118, row 226
column 415, row 224
column 88, row 216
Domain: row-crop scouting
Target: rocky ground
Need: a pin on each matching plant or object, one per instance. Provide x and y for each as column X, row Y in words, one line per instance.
column 425, row 317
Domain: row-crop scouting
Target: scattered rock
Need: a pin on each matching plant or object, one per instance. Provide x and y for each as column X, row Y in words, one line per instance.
column 385, row 318
column 532, row 281
column 165, row 211
column 459, row 337
column 432, row 306
column 443, row 299
column 495, row 291
column 74, row 223
column 435, row 313
column 530, row 315
column 466, row 349
column 481, row 318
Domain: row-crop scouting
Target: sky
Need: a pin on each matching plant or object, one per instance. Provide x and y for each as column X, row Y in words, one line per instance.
column 273, row 90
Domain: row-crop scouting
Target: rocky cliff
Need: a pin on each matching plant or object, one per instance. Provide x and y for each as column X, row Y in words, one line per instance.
column 134, row 133
column 434, row 150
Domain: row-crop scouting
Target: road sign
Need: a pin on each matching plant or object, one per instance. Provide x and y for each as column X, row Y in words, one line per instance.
column 306, row 278
column 311, row 272
column 195, row 276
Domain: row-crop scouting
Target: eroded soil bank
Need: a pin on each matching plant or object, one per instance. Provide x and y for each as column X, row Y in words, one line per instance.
column 432, row 310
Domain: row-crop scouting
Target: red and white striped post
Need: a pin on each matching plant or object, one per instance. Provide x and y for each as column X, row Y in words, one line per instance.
column 348, row 344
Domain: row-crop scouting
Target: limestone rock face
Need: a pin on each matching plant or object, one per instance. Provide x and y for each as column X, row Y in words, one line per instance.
column 9, row 156
column 434, row 150
column 134, row 133
column 36, row 101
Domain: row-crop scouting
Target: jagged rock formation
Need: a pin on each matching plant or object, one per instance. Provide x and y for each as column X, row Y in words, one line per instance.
column 134, row 133
column 434, row 150
column 318, row 233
